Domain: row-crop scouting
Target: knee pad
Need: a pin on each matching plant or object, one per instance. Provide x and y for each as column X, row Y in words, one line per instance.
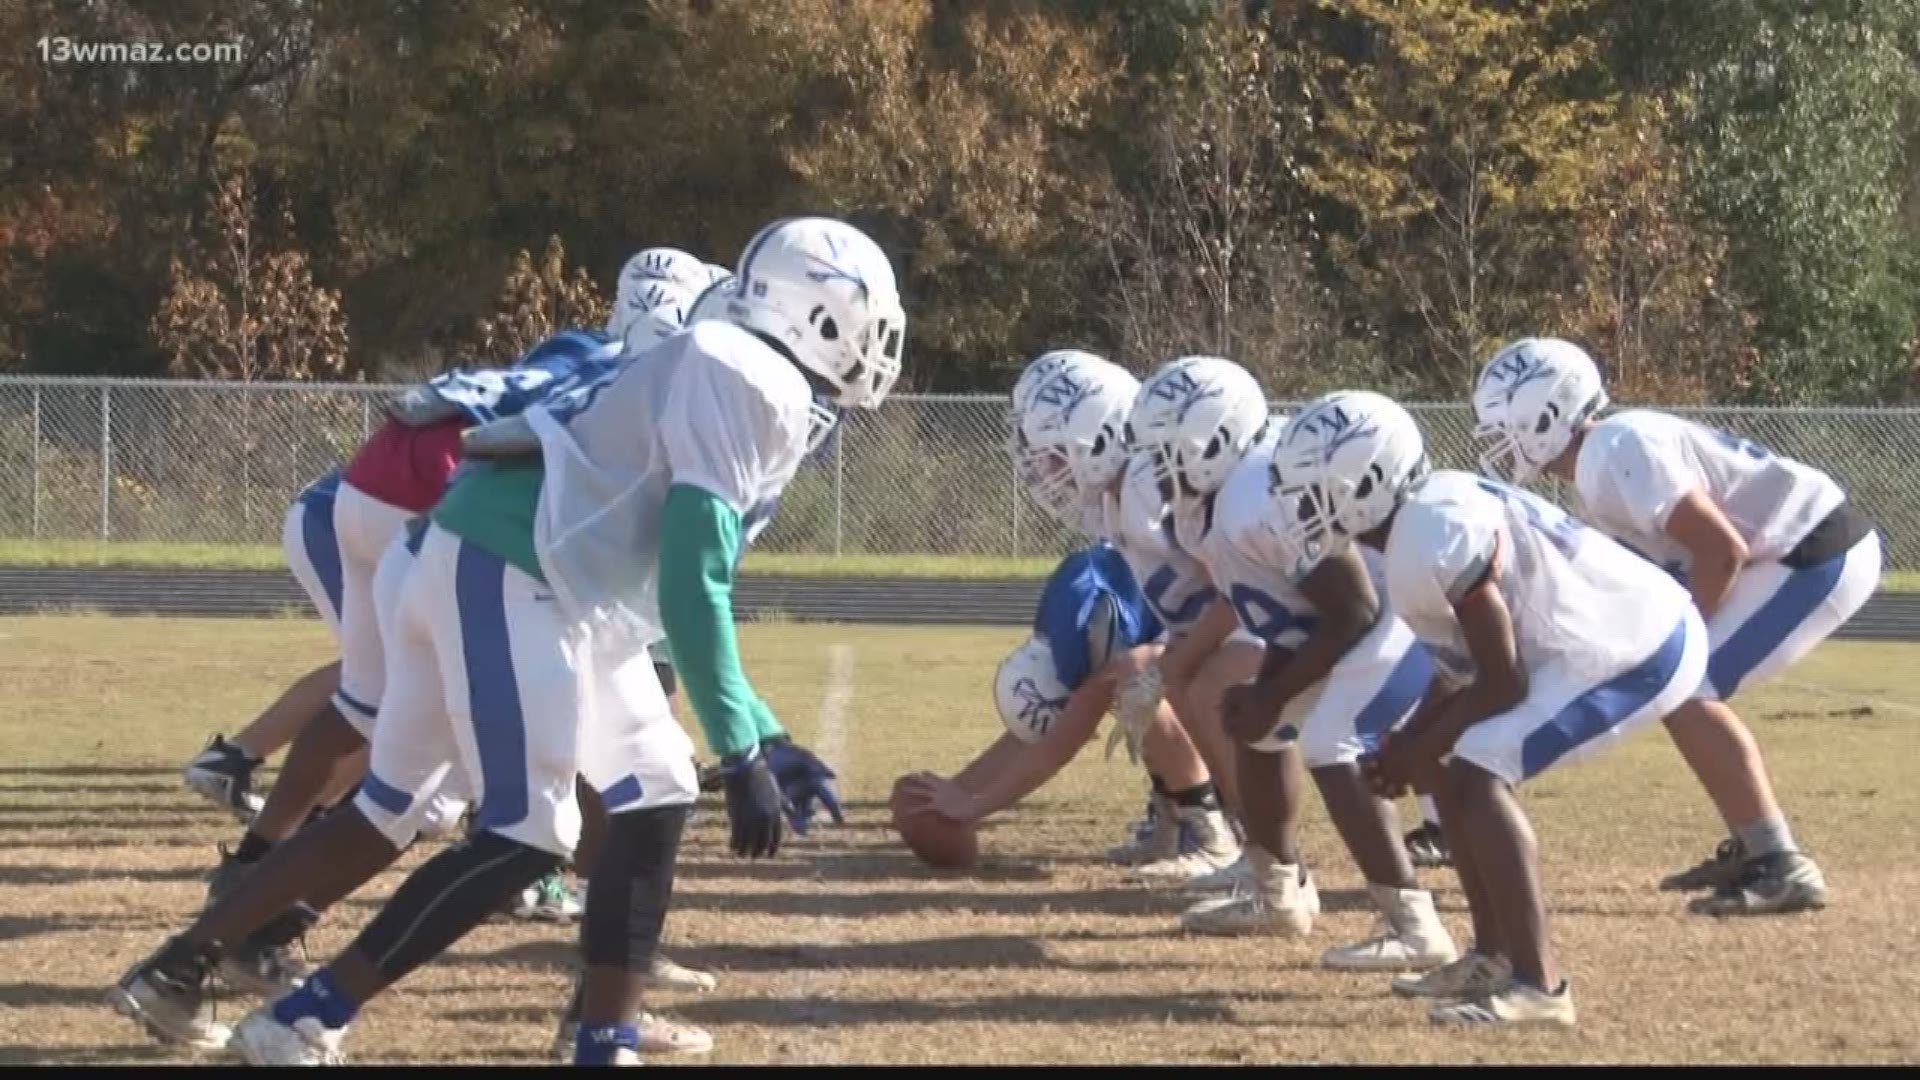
column 631, row 887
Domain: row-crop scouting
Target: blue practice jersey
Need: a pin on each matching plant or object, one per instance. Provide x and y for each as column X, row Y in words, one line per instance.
column 1091, row 609
column 569, row 360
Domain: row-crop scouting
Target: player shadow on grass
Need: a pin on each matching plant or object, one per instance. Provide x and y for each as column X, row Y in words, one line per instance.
column 1202, row 1007
column 125, row 817
column 1119, row 900
column 73, row 875
column 145, row 1053
column 969, row 952
column 798, row 863
column 108, row 770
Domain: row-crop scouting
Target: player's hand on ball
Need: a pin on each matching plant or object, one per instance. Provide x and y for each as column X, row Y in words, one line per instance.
column 754, row 804
column 930, row 794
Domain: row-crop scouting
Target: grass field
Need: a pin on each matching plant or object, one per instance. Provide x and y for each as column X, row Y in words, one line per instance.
column 158, row 555
column 845, row 950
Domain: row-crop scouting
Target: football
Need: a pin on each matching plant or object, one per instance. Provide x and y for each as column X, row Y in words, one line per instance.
column 941, row 842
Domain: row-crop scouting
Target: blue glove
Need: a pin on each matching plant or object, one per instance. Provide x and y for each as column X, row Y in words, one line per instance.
column 803, row 779
column 754, row 804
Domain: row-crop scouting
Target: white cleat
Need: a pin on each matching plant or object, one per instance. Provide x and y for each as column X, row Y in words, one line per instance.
column 1282, row 901
column 1512, row 1005
column 1235, row 875
column 1214, row 848
column 172, row 1009
column 664, row 974
column 658, row 1035
column 1411, row 937
column 1155, row 838
column 549, row 900
column 1474, row 975
column 263, row 1040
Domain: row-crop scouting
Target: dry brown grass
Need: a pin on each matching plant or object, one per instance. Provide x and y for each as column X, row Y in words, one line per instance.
column 846, row 951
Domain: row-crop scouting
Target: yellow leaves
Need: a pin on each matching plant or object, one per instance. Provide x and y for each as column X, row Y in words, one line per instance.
column 245, row 311
column 537, row 300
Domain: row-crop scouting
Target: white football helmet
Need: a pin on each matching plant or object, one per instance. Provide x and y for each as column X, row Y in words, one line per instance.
column 825, row 291
column 712, row 303
column 717, row 273
column 1529, row 400
column 663, row 264
column 655, row 310
column 1039, row 371
column 1342, row 466
column 1066, row 431
column 1197, row 417
column 1028, row 692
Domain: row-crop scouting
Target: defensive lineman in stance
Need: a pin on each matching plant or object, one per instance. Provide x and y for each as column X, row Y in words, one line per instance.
column 1774, row 554
column 1340, row 670
column 519, row 640
column 1557, row 641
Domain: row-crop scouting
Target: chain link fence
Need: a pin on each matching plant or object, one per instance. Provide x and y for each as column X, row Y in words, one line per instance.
column 924, row 476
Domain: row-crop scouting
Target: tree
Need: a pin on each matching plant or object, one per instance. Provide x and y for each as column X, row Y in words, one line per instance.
column 1203, row 251
column 1799, row 122
column 1451, row 148
column 1651, row 297
column 245, row 311
column 536, row 302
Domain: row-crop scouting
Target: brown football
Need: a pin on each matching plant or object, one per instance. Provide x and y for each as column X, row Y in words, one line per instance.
column 941, row 842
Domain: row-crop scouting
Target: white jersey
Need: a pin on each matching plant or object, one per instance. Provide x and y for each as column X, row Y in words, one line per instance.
column 1635, row 467
column 1575, row 596
column 712, row 407
column 1137, row 523
column 1245, row 556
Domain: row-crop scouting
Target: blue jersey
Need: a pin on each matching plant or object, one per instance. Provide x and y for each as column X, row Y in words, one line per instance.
column 1091, row 609
column 565, row 362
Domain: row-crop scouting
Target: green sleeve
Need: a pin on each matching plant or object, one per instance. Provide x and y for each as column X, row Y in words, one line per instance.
column 764, row 725
column 699, row 538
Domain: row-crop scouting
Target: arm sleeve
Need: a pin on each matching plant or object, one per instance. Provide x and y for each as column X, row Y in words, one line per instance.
column 700, row 537
column 725, row 439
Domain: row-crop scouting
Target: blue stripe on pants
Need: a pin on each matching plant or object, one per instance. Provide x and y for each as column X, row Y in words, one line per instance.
column 1766, row 628
column 493, row 694
column 385, row 795
column 1404, row 688
column 323, row 548
column 359, row 706
column 626, row 790
column 1604, row 707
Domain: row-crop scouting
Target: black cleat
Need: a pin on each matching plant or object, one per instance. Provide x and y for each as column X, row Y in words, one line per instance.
column 1427, row 847
column 1718, row 871
column 223, row 774
column 167, row 995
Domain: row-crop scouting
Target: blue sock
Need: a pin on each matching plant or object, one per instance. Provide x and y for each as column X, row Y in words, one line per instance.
column 318, row 998
column 596, row 1044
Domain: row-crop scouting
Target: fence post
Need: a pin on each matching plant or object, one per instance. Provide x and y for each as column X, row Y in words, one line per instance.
column 366, row 417
column 106, row 462
column 36, row 462
column 839, row 488
column 1013, row 505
